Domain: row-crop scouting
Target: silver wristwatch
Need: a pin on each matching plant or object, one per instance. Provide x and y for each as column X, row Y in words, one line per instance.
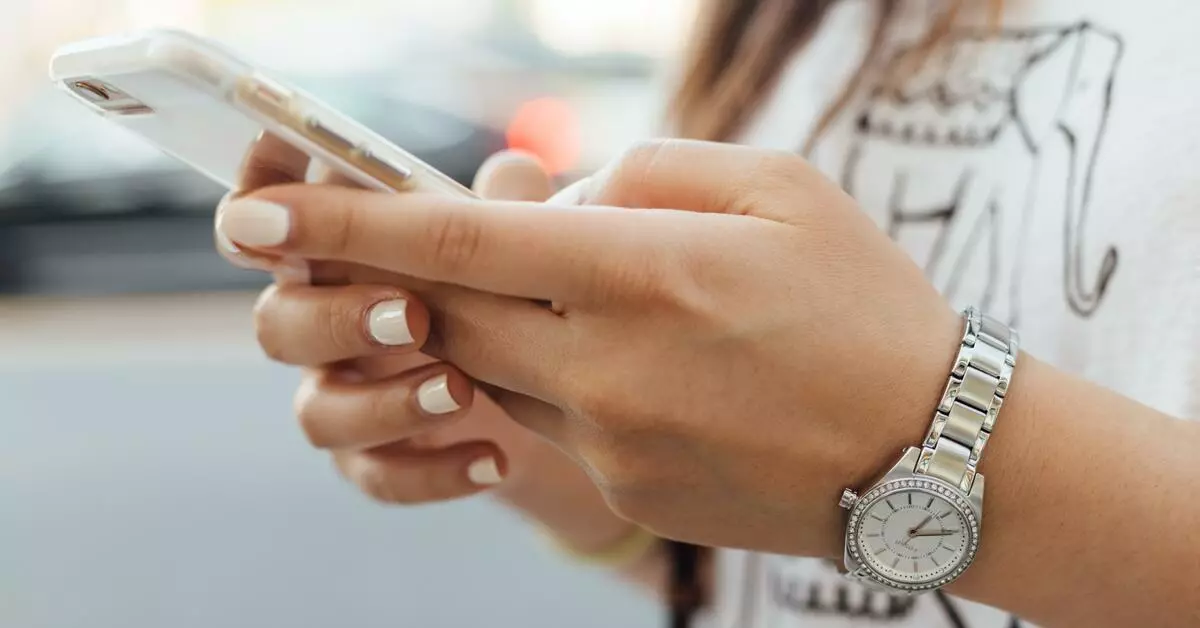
column 917, row 528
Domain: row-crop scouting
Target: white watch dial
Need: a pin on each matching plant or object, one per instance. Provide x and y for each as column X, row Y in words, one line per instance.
column 919, row 534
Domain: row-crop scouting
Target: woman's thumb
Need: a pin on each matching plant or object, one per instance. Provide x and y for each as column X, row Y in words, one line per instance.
column 513, row 176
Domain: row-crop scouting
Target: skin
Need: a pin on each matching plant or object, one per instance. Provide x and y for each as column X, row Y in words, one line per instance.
column 385, row 444
column 723, row 368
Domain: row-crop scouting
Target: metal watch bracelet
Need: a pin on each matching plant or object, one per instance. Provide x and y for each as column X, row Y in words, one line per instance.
column 971, row 402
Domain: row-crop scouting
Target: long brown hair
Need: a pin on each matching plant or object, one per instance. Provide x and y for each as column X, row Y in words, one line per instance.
column 741, row 46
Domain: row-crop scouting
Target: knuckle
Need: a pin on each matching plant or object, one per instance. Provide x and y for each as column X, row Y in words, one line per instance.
column 340, row 320
column 456, row 241
column 634, row 164
column 342, row 234
column 307, row 407
column 381, row 408
column 267, row 325
column 440, row 483
column 376, row 482
column 779, row 170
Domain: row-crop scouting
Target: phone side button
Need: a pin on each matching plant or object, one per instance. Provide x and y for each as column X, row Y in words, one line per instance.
column 375, row 164
column 327, row 136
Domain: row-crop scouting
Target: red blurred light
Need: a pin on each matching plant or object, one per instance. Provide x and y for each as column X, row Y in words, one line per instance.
column 549, row 129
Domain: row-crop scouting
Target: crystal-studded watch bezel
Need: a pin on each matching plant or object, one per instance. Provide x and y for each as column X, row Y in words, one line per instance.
column 934, row 487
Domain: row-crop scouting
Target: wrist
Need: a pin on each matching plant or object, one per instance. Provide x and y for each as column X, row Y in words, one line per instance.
column 917, row 527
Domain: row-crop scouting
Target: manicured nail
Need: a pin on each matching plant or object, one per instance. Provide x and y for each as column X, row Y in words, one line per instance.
column 388, row 323
column 237, row 256
column 434, row 396
column 484, row 472
column 225, row 244
column 254, row 223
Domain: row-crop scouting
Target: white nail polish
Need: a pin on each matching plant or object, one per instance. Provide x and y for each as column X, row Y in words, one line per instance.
column 253, row 222
column 225, row 244
column 434, row 396
column 237, row 256
column 388, row 323
column 484, row 472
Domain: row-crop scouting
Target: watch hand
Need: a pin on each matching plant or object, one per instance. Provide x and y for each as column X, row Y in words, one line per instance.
column 913, row 531
column 938, row 533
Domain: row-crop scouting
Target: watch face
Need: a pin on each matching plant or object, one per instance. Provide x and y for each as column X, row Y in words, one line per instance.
column 913, row 534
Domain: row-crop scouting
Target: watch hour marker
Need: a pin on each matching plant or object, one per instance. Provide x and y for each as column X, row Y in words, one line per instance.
column 945, row 514
column 910, row 499
column 874, row 536
column 935, row 562
column 895, row 561
column 881, row 550
column 930, row 504
column 877, row 517
column 915, row 568
column 890, row 505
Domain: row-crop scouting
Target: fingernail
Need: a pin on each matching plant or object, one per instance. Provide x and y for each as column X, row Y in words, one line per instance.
column 225, row 244
column 484, row 472
column 387, row 323
column 434, row 396
column 255, row 223
column 236, row 256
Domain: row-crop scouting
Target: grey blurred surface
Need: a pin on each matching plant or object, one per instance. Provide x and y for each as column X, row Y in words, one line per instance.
column 146, row 488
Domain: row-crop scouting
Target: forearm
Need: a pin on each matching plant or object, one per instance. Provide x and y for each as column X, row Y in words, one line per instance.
column 1091, row 516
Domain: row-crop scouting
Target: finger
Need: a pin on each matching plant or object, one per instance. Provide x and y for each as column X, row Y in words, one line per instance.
column 702, row 177
column 336, row 414
column 535, row 415
column 286, row 270
column 233, row 253
column 506, row 175
column 511, row 343
column 312, row 326
column 398, row 474
column 271, row 160
column 513, row 176
column 321, row 172
column 335, row 273
column 521, row 249
column 375, row 368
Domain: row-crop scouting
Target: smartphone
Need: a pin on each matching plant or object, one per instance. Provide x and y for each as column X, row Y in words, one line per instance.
column 200, row 103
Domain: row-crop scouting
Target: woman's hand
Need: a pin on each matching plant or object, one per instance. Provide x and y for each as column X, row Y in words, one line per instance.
column 721, row 371
column 402, row 426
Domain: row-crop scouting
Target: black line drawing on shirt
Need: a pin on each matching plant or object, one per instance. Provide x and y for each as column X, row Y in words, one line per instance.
column 1021, row 115
column 989, row 127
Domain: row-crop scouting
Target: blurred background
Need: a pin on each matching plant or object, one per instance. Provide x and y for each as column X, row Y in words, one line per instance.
column 150, row 472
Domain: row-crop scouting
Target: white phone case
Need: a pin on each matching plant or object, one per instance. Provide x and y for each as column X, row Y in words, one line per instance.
column 199, row 103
